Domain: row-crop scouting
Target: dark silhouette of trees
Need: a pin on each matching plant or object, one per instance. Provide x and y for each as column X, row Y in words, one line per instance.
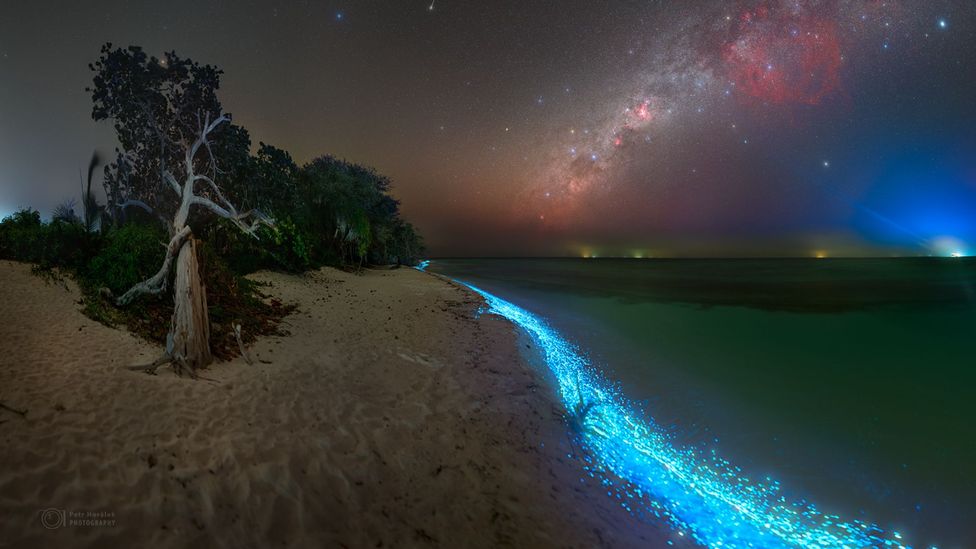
column 185, row 176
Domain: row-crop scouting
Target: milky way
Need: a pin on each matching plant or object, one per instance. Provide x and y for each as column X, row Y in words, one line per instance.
column 715, row 69
column 511, row 127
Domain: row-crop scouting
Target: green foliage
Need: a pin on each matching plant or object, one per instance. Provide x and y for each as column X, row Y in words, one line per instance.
column 154, row 105
column 349, row 216
column 290, row 249
column 233, row 299
column 131, row 254
column 328, row 212
column 59, row 244
column 21, row 235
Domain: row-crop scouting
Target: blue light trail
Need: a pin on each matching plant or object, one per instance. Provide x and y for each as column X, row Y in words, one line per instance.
column 703, row 497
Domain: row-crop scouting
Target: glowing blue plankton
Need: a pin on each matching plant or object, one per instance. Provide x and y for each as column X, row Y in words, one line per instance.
column 703, row 496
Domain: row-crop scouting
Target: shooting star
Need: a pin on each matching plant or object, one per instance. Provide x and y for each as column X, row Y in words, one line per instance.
column 431, row 6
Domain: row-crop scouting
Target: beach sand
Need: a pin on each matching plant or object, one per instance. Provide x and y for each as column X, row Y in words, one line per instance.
column 392, row 415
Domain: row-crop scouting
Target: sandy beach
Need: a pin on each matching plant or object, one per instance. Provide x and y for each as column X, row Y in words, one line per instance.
column 392, row 415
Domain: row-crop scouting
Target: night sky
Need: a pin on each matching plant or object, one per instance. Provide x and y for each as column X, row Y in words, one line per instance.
column 654, row 128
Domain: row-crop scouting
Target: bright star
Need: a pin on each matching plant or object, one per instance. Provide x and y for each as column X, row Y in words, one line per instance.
column 943, row 23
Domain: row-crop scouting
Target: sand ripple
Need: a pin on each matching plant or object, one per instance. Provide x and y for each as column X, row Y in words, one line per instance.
column 390, row 416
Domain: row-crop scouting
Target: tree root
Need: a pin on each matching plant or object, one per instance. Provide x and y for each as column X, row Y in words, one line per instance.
column 179, row 366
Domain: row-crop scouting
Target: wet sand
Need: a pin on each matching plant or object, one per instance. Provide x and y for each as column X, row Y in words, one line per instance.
column 393, row 414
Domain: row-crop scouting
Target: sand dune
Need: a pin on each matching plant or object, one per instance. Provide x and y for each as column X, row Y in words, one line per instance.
column 392, row 415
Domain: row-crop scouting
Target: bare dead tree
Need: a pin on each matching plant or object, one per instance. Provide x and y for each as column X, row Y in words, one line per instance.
column 166, row 114
column 188, row 341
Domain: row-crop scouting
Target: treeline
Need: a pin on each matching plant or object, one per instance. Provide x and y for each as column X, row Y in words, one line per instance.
column 327, row 212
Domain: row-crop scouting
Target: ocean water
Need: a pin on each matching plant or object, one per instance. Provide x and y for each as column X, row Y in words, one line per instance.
column 849, row 382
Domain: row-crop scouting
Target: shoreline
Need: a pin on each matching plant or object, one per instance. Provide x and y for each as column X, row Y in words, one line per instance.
column 702, row 495
column 393, row 414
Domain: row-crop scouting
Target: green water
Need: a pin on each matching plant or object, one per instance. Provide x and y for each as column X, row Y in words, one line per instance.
column 848, row 380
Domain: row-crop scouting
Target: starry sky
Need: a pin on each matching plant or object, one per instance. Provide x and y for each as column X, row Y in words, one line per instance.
column 631, row 128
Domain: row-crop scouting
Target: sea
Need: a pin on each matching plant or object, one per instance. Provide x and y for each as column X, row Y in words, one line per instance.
column 849, row 382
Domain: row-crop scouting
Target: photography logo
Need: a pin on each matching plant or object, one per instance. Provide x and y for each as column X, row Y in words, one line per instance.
column 53, row 518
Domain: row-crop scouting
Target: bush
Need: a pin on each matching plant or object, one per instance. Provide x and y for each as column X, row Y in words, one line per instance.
column 21, row 235
column 59, row 244
column 290, row 250
column 286, row 247
column 131, row 254
column 233, row 299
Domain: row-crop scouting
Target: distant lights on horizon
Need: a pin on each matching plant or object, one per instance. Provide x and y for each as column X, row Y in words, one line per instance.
column 948, row 246
column 587, row 253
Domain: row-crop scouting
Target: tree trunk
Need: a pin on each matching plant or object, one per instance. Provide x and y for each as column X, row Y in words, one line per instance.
column 190, row 328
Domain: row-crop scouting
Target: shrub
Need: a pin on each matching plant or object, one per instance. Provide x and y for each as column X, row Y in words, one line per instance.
column 290, row 249
column 21, row 235
column 131, row 254
column 59, row 244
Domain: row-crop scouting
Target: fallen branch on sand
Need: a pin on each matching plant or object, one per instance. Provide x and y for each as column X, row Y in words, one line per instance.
column 21, row 413
column 237, row 333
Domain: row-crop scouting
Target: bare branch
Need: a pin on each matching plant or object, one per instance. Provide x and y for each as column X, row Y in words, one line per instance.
column 207, row 127
column 215, row 208
column 136, row 203
column 157, row 283
column 240, row 343
column 220, row 196
column 142, row 205
column 213, row 185
column 168, row 177
column 230, row 213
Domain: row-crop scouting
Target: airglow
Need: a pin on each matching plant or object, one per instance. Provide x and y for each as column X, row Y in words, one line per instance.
column 701, row 495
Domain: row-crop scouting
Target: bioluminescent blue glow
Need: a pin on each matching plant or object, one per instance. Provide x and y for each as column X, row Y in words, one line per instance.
column 702, row 496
